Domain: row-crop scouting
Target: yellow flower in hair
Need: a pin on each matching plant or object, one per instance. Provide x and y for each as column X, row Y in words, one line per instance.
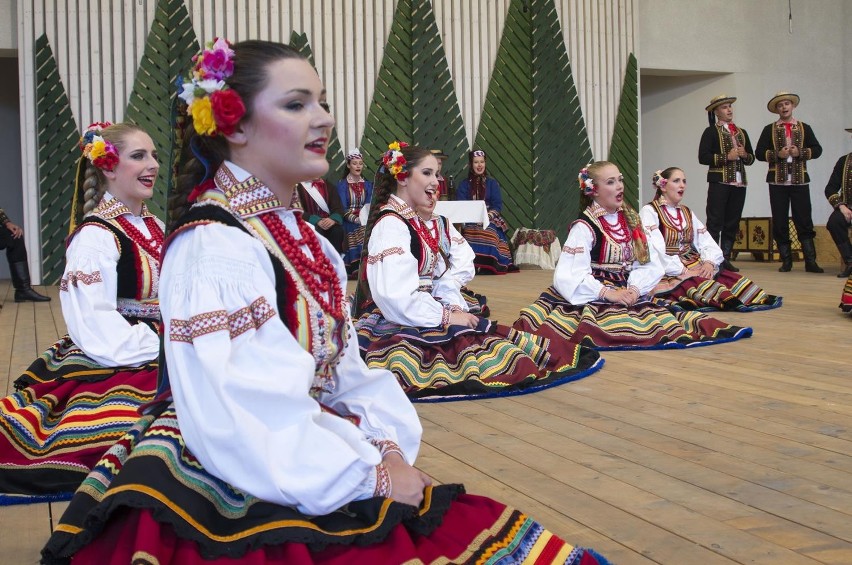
column 394, row 146
column 202, row 116
column 96, row 149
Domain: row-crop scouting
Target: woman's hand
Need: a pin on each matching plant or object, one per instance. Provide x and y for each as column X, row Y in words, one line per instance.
column 705, row 270
column 407, row 483
column 463, row 319
column 625, row 296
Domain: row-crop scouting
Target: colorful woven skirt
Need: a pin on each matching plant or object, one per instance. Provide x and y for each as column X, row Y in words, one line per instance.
column 53, row 432
column 476, row 303
column 150, row 501
column 603, row 325
column 727, row 291
column 846, row 297
column 458, row 363
column 491, row 246
column 353, row 244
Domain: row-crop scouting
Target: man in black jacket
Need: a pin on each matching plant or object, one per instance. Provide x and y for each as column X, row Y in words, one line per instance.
column 726, row 150
column 839, row 194
column 787, row 144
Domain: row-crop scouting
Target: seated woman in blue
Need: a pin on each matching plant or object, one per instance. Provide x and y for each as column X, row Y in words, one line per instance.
column 355, row 192
column 491, row 245
column 694, row 279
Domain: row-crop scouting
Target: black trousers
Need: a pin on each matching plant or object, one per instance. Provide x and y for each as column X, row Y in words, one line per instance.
column 724, row 209
column 838, row 227
column 16, row 251
column 783, row 198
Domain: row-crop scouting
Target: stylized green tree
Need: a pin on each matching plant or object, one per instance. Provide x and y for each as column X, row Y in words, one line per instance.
column 169, row 48
column 414, row 99
column 624, row 147
column 57, row 138
column 532, row 126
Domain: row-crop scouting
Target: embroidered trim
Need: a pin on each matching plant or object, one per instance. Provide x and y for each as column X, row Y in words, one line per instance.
column 457, row 240
column 386, row 447
column 373, row 259
column 383, row 482
column 251, row 317
column 138, row 308
column 109, row 210
column 400, row 207
column 248, row 197
column 574, row 250
column 73, row 277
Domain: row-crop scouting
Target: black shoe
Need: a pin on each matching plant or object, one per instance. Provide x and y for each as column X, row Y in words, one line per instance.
column 812, row 267
column 30, row 295
column 21, row 281
column 809, row 251
column 846, row 272
column 728, row 266
column 786, row 255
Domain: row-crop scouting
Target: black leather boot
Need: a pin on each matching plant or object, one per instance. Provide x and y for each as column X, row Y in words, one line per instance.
column 845, row 249
column 786, row 255
column 21, row 281
column 809, row 251
column 727, row 247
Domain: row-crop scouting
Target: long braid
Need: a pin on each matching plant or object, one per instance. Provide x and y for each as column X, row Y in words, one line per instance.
column 383, row 187
column 640, row 244
column 93, row 188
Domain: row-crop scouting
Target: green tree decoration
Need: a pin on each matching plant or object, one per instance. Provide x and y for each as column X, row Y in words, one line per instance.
column 414, row 99
column 169, row 48
column 624, row 147
column 532, row 126
column 58, row 154
column 336, row 157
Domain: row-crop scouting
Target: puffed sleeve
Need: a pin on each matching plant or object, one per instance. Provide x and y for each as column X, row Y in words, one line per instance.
column 460, row 271
column 672, row 264
column 707, row 248
column 241, row 382
column 88, row 294
column 573, row 276
column 393, row 277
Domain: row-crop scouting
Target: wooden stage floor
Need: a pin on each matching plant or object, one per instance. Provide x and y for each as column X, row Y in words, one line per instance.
column 736, row 453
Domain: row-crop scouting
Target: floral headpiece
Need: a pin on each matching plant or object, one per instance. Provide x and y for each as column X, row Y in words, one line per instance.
column 213, row 106
column 394, row 161
column 99, row 151
column 587, row 185
column 658, row 179
column 478, row 153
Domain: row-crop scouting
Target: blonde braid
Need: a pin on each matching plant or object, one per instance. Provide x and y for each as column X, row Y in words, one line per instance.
column 93, row 188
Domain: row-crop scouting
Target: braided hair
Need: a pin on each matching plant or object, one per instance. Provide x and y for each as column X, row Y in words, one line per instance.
column 201, row 155
column 384, row 185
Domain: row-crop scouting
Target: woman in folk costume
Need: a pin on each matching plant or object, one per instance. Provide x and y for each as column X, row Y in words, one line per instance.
column 602, row 284
column 691, row 258
column 271, row 441
column 354, row 192
column 493, row 254
column 415, row 321
column 83, row 393
column 323, row 210
column 458, row 252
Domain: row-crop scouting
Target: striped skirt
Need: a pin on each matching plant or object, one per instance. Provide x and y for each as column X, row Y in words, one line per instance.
column 726, row 291
column 353, row 244
column 149, row 501
column 53, row 431
column 476, row 303
column 491, row 246
column 603, row 325
column 458, row 363
column 846, row 297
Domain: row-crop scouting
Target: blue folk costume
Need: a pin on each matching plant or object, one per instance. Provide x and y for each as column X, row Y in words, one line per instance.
column 353, row 197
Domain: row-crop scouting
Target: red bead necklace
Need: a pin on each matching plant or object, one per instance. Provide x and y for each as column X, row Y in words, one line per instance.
column 425, row 234
column 318, row 273
column 677, row 222
column 618, row 232
column 357, row 188
column 152, row 245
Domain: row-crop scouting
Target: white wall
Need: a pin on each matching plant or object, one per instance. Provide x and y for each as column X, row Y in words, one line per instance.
column 8, row 27
column 742, row 48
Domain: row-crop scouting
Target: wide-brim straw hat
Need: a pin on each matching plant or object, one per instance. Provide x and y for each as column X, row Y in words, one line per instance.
column 438, row 154
column 719, row 100
column 849, row 130
column 783, row 95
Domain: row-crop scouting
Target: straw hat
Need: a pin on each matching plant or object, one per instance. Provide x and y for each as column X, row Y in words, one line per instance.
column 719, row 100
column 849, row 130
column 438, row 154
column 783, row 95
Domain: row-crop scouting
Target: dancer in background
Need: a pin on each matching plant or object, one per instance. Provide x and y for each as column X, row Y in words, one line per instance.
column 601, row 293
column 83, row 394
column 323, row 210
column 838, row 190
column 726, row 150
column 491, row 245
column 354, row 192
column 12, row 240
column 691, row 258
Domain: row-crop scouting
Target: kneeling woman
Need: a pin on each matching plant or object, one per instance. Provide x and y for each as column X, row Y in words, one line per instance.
column 690, row 257
column 272, row 441
column 417, row 326
column 603, row 279
column 83, row 394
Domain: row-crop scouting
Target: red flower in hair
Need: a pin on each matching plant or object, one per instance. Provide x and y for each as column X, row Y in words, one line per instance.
column 228, row 110
column 106, row 162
